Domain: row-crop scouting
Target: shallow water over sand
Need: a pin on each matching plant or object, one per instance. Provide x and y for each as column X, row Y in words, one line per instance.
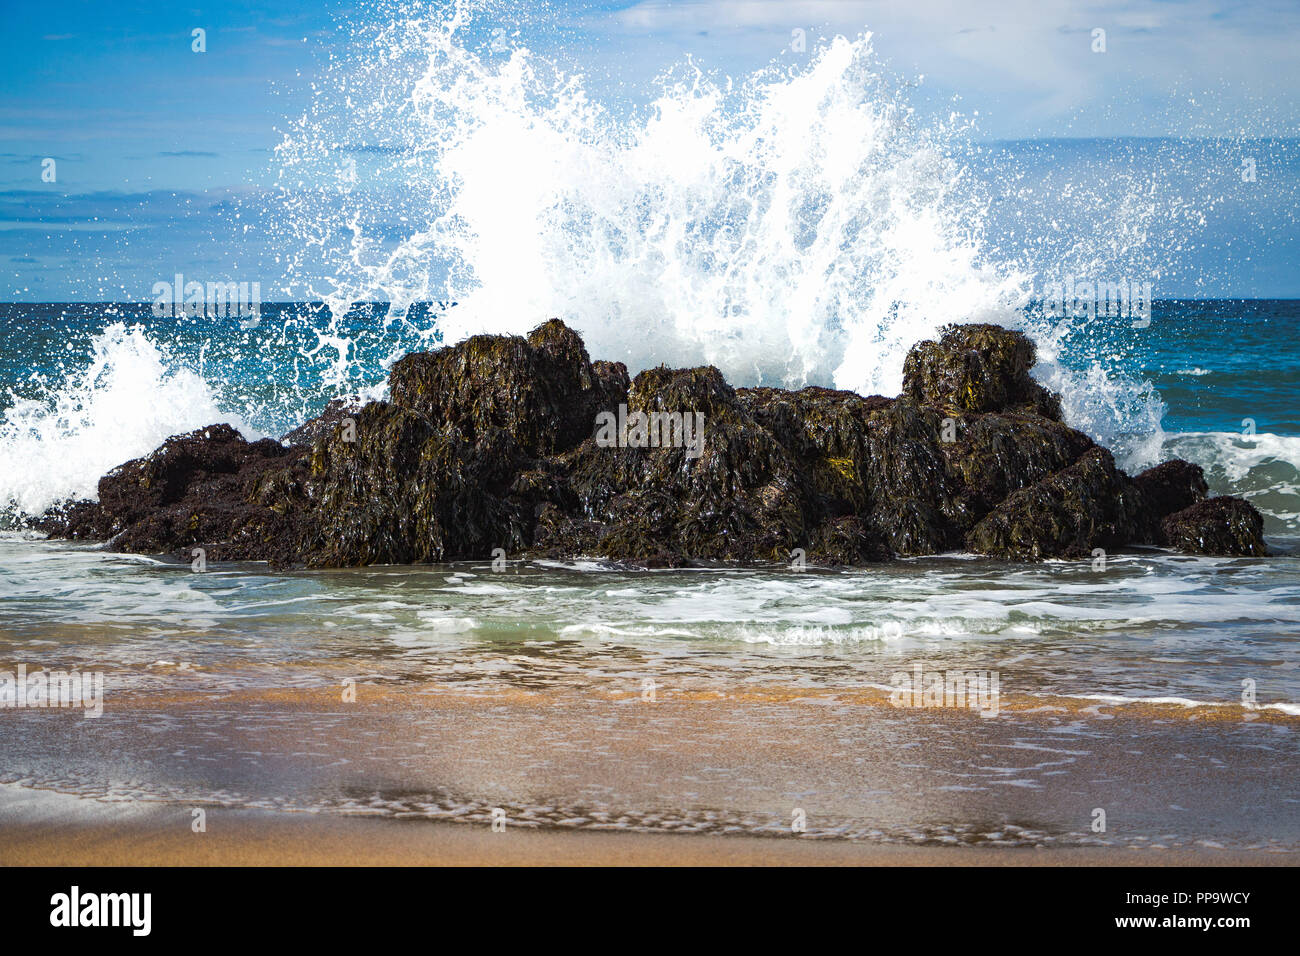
column 719, row 701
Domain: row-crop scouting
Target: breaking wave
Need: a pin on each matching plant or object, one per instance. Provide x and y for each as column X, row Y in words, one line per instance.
column 801, row 225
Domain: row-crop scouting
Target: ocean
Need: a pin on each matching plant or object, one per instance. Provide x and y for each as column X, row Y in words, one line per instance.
column 805, row 224
column 231, row 687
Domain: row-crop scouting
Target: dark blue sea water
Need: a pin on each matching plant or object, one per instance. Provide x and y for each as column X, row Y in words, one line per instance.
column 1213, row 362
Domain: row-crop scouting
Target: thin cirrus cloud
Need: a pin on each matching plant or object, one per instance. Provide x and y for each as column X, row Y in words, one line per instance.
column 1028, row 67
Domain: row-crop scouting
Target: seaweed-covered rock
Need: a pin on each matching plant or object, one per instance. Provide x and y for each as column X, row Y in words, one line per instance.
column 337, row 414
column 192, row 490
column 526, row 445
column 977, row 368
column 1220, row 526
column 993, row 456
column 1172, row 486
column 847, row 541
column 542, row 391
column 824, row 430
column 1091, row 504
column 909, row 486
column 729, row 491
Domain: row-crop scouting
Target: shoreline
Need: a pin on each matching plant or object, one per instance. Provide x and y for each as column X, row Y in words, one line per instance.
column 47, row 828
column 724, row 765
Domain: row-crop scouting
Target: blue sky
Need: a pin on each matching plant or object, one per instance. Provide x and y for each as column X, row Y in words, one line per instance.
column 155, row 145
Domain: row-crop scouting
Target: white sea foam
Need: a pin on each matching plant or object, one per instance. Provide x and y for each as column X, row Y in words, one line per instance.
column 1237, row 454
column 445, row 624
column 803, row 636
column 123, row 403
column 1263, row 468
column 791, row 227
column 1282, row 707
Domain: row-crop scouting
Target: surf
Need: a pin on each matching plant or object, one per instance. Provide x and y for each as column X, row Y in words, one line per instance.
column 799, row 225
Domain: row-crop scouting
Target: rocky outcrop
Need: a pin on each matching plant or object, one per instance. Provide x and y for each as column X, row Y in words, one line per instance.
column 1090, row 504
column 194, row 490
column 543, row 391
column 1216, row 526
column 335, row 415
column 977, row 368
column 1171, row 487
column 1167, row 488
column 526, row 445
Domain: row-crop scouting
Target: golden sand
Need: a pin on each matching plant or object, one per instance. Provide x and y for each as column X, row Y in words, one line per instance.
column 435, row 695
column 162, row 836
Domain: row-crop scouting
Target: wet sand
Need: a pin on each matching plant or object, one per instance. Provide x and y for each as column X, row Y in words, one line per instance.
column 47, row 829
column 412, row 775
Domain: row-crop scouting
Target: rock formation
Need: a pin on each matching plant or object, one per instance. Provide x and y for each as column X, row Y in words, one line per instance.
column 492, row 443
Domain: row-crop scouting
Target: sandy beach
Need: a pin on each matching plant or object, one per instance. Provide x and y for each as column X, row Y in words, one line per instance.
column 47, row 829
column 413, row 776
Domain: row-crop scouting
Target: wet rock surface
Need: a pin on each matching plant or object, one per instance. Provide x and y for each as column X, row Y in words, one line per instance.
column 977, row 368
column 190, row 492
column 527, row 446
column 1216, row 526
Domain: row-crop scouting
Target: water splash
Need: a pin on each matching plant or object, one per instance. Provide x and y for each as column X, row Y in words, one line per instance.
column 802, row 225
column 129, row 398
column 798, row 226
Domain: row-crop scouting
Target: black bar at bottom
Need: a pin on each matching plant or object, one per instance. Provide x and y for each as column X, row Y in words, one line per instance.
column 375, row 907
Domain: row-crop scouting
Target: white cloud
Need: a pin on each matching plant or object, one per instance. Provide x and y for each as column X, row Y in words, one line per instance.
column 1027, row 65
